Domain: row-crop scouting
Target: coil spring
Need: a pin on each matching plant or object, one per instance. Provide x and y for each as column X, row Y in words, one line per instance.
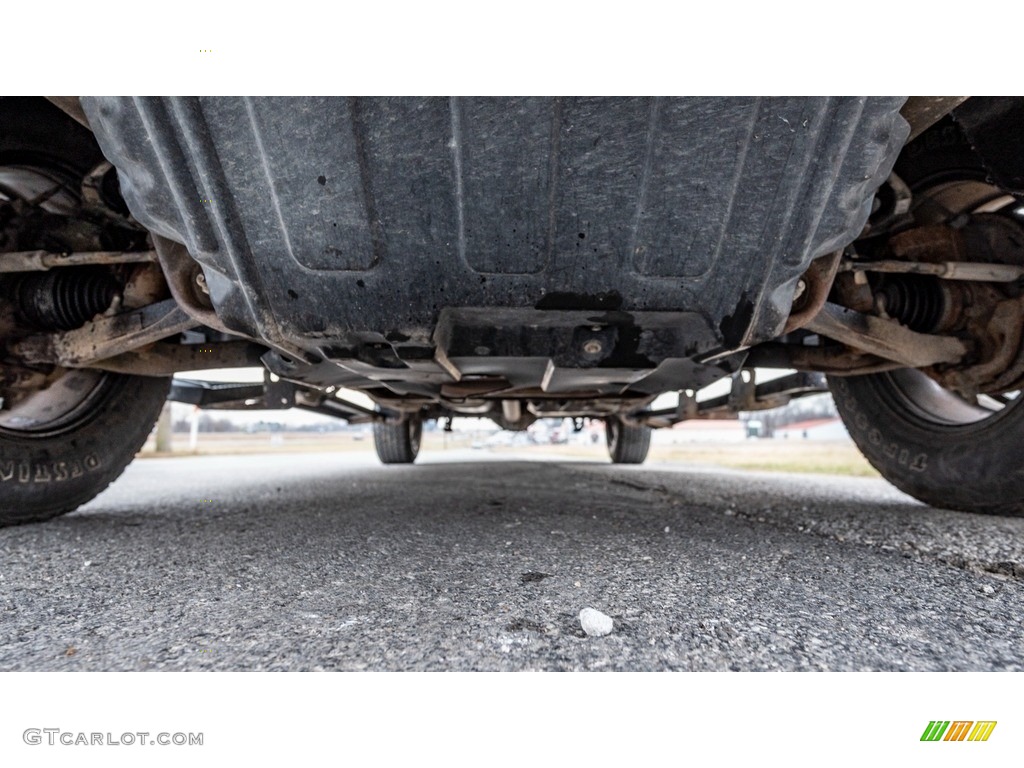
column 915, row 301
column 65, row 298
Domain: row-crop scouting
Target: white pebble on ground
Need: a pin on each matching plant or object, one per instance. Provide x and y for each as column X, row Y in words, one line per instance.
column 595, row 623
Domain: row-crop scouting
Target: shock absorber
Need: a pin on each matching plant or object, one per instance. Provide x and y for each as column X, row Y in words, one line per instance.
column 64, row 299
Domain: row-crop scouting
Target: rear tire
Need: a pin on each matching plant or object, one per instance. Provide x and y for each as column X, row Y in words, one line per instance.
column 398, row 443
column 627, row 443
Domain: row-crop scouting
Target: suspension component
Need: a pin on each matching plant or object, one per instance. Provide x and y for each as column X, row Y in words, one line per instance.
column 812, row 290
column 101, row 191
column 948, row 270
column 915, row 301
column 65, row 299
column 40, row 261
column 945, row 284
column 104, row 337
column 885, row 338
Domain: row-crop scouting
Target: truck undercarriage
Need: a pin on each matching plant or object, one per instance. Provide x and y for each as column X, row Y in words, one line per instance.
column 515, row 259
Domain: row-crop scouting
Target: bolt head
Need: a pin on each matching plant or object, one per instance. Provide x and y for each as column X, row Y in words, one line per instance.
column 201, row 283
column 593, row 347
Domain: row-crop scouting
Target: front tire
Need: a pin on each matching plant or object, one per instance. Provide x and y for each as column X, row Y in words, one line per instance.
column 627, row 443
column 935, row 446
column 398, row 442
column 48, row 469
column 927, row 441
column 62, row 444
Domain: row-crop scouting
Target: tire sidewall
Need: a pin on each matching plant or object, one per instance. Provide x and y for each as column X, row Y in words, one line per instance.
column 44, row 476
column 975, row 467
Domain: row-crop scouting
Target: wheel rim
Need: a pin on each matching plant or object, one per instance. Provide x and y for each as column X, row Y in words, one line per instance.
column 51, row 190
column 60, row 407
column 612, row 431
column 932, row 403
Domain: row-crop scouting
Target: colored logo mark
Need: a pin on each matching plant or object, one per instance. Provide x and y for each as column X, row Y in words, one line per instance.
column 958, row 730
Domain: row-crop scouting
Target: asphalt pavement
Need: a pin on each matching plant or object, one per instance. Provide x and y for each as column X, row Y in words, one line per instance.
column 479, row 561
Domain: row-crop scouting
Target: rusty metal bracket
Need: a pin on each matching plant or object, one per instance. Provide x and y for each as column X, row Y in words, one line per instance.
column 105, row 337
column 886, row 338
column 688, row 407
column 947, row 270
column 746, row 396
column 813, row 289
column 268, row 395
column 164, row 359
column 183, row 279
column 743, row 393
column 834, row 360
column 41, row 261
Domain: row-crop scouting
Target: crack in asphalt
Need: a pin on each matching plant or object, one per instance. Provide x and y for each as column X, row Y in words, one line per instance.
column 1002, row 569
